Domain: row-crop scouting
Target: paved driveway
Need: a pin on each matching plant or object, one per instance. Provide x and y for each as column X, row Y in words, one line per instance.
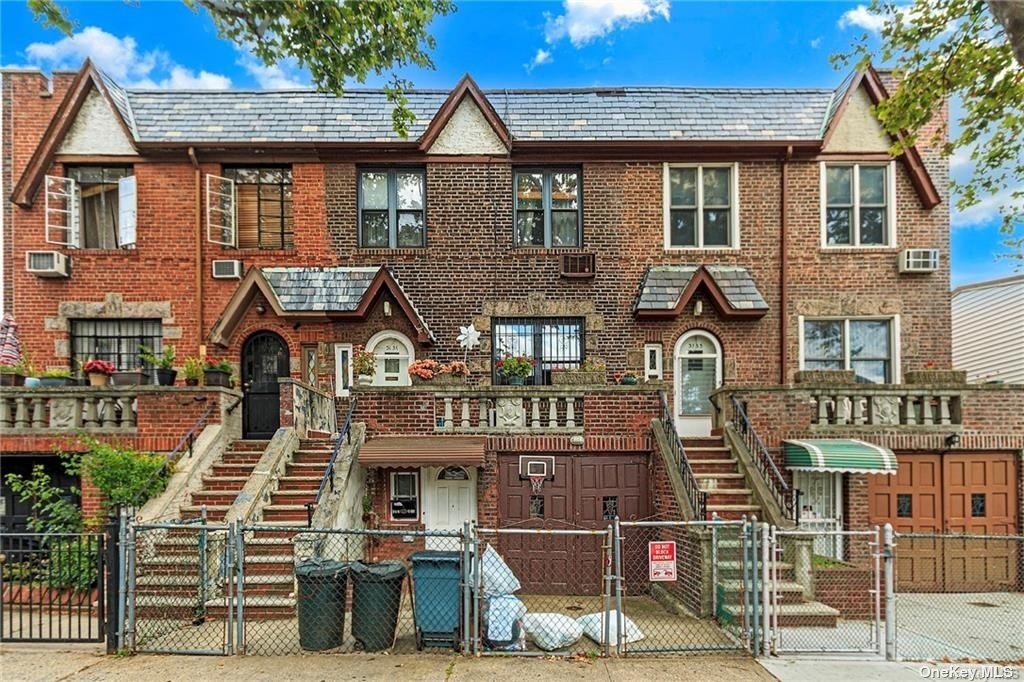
column 988, row 626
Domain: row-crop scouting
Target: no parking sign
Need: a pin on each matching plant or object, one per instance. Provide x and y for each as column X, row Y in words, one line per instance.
column 661, row 557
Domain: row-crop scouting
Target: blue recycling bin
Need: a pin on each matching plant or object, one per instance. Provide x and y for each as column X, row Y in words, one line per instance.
column 437, row 598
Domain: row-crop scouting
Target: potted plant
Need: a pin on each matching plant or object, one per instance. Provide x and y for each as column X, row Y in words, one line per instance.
column 163, row 364
column 193, row 371
column 98, row 371
column 54, row 377
column 423, row 370
column 515, row 368
column 450, row 373
column 591, row 371
column 12, row 375
column 364, row 364
column 132, row 377
column 629, row 378
column 217, row 372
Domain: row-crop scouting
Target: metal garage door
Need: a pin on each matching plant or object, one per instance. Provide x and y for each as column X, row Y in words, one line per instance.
column 972, row 493
column 587, row 492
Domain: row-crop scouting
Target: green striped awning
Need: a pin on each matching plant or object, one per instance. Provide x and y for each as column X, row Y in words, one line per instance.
column 839, row 454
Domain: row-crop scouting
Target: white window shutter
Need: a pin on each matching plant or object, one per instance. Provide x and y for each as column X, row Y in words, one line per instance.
column 220, row 210
column 126, row 206
column 62, row 214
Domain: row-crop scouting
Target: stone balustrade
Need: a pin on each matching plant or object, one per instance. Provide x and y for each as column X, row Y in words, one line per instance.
column 873, row 405
column 72, row 408
column 502, row 409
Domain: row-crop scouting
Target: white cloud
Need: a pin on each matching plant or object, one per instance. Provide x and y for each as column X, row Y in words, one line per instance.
column 285, row 75
column 121, row 59
column 584, row 21
column 860, row 17
column 985, row 212
column 816, row 43
column 542, row 57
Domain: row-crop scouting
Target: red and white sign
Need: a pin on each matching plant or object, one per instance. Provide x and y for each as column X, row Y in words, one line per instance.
column 662, row 559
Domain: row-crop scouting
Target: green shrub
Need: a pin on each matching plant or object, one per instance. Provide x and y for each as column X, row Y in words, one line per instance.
column 124, row 476
column 72, row 564
column 50, row 510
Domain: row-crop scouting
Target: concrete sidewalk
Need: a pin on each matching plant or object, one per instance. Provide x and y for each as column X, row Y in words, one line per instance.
column 814, row 669
column 23, row 664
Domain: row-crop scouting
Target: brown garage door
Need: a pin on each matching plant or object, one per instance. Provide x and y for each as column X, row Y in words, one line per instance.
column 974, row 493
column 587, row 492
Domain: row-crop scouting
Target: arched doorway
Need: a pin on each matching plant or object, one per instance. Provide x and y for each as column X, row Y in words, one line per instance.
column 394, row 351
column 264, row 359
column 698, row 373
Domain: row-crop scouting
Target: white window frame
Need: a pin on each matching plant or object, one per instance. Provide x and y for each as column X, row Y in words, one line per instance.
column 657, row 372
column 677, row 363
column 127, row 206
column 403, row 378
column 62, row 218
column 216, row 231
column 342, row 383
column 894, row 340
column 734, row 207
column 890, row 204
column 416, row 496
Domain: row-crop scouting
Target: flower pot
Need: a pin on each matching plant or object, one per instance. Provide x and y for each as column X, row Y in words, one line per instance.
column 364, row 379
column 191, row 382
column 935, row 377
column 98, row 379
column 628, row 381
column 129, row 378
column 449, row 380
column 416, row 381
column 216, row 377
column 577, row 378
column 55, row 382
column 166, row 377
column 516, row 381
column 12, row 379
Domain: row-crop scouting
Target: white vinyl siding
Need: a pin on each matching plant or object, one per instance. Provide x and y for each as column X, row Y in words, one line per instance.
column 988, row 331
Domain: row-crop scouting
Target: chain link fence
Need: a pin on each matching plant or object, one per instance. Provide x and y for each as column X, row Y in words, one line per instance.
column 960, row 597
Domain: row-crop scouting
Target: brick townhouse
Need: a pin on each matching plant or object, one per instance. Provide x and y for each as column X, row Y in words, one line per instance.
column 755, row 256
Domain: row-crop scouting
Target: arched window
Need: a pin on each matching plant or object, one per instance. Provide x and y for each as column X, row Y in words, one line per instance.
column 393, row 352
column 698, row 369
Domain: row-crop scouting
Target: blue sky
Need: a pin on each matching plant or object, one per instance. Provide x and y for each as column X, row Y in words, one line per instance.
column 510, row 44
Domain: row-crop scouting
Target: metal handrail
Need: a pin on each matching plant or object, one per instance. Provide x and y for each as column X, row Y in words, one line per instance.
column 698, row 498
column 344, row 436
column 785, row 495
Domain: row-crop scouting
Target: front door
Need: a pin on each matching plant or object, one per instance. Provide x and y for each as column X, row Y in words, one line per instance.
column 264, row 359
column 451, row 501
column 698, row 374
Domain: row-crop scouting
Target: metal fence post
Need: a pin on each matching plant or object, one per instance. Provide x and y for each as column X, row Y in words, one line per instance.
column 465, row 578
column 129, row 627
column 755, row 622
column 112, row 547
column 122, row 554
column 240, row 582
column 889, row 558
column 619, row 582
column 609, row 541
column 714, row 564
column 766, row 552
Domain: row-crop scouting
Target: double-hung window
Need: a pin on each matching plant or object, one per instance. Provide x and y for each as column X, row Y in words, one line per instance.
column 392, row 208
column 116, row 341
column 553, row 343
column 857, row 204
column 701, row 206
column 405, row 487
column 866, row 346
column 548, row 208
column 263, row 207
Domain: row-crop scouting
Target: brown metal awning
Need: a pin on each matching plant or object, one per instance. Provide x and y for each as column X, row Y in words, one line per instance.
column 414, row 451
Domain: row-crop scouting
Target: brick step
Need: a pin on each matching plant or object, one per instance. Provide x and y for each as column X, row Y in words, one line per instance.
column 788, row 592
column 249, row 445
column 235, row 483
column 234, row 470
column 712, row 466
column 306, row 469
column 732, row 570
column 287, row 482
column 185, row 587
column 725, row 496
column 708, row 453
column 285, row 512
column 292, row 497
column 311, row 456
column 214, row 497
column 316, row 444
column 241, row 457
column 733, row 512
column 699, row 442
column 806, row 614
column 214, row 512
column 720, row 481
column 260, row 608
column 262, row 544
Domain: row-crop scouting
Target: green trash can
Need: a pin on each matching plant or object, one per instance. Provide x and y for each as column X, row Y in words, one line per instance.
column 376, row 599
column 321, row 603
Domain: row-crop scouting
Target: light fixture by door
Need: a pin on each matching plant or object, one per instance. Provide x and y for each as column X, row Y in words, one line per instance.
column 387, row 308
column 260, row 308
column 952, row 440
column 698, row 308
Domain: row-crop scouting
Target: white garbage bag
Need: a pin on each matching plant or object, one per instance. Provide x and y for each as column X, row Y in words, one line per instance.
column 503, row 616
column 496, row 576
column 593, row 625
column 551, row 631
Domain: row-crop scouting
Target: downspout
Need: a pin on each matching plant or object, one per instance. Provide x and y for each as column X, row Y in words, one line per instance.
column 784, row 271
column 199, row 252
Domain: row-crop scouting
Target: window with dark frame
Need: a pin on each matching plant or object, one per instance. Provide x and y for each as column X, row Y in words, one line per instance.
column 555, row 343
column 405, row 495
column 548, row 208
column 978, row 505
column 700, row 212
column 263, row 206
column 99, row 204
column 856, row 205
column 904, row 505
column 392, row 208
column 609, row 507
column 116, row 341
column 536, row 506
column 309, row 364
column 862, row 345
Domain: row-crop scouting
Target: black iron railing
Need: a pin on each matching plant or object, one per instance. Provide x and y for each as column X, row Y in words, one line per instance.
column 344, row 436
column 698, row 498
column 787, row 497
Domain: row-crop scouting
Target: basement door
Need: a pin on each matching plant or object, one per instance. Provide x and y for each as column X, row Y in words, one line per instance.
column 450, row 501
column 264, row 359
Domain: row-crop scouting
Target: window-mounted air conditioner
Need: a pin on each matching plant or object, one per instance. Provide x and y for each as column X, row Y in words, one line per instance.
column 578, row 265
column 919, row 260
column 227, row 269
column 47, row 264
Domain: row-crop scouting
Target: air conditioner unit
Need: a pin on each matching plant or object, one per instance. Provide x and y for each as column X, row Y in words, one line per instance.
column 919, row 260
column 227, row 269
column 578, row 265
column 47, row 264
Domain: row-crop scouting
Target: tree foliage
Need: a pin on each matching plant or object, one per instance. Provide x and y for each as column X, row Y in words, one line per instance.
column 336, row 41
column 964, row 49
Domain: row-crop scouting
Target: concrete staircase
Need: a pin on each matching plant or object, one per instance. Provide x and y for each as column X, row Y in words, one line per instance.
column 718, row 474
column 225, row 480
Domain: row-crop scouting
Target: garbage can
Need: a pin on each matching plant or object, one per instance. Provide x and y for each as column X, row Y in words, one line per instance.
column 438, row 599
column 376, row 599
column 320, row 603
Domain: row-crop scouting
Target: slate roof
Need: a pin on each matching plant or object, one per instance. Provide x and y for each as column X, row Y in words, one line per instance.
column 606, row 114
column 664, row 284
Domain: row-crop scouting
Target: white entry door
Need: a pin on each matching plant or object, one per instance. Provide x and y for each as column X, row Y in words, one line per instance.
column 451, row 501
column 698, row 374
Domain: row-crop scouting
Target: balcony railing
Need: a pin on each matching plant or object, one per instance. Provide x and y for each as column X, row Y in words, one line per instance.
column 69, row 409
column 869, row 405
column 502, row 409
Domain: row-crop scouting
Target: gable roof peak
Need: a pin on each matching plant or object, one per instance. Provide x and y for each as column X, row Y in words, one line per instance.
column 466, row 87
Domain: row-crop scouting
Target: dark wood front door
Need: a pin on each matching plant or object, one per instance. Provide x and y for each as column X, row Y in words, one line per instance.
column 264, row 359
column 587, row 492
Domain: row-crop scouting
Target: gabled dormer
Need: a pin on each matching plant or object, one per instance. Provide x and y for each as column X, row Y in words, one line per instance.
column 466, row 125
